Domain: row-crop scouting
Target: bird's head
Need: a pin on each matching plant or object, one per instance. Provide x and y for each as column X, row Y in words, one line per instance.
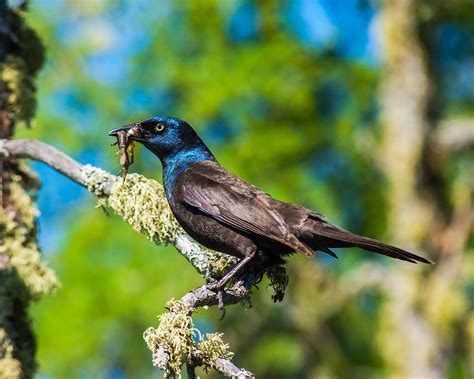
column 166, row 137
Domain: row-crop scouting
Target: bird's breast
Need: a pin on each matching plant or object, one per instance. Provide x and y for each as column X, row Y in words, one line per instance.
column 171, row 174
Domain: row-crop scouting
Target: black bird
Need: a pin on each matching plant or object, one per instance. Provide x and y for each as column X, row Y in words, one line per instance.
column 225, row 213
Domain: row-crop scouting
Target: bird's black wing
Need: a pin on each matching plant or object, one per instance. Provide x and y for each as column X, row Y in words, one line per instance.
column 208, row 188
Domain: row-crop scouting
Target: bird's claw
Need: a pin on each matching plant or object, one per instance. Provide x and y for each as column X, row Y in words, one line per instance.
column 220, row 303
column 214, row 286
column 218, row 288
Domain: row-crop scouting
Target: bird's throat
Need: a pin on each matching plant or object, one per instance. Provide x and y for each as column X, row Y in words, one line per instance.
column 175, row 164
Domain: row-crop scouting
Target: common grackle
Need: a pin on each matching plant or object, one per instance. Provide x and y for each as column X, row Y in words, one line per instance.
column 228, row 214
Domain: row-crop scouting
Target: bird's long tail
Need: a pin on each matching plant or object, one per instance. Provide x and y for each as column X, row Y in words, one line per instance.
column 324, row 236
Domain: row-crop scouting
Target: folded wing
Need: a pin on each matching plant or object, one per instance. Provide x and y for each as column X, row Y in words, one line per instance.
column 236, row 204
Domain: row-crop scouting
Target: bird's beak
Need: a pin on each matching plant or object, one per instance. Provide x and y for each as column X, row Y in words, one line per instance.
column 132, row 130
column 126, row 128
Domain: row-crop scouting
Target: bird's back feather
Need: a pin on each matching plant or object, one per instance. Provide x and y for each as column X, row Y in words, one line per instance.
column 224, row 197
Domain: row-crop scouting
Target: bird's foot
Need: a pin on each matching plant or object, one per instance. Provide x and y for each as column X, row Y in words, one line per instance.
column 220, row 303
column 219, row 288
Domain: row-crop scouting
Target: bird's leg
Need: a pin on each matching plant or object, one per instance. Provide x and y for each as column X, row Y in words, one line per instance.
column 234, row 270
column 220, row 303
column 220, row 284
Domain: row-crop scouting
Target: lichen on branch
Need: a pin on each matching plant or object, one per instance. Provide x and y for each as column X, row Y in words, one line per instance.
column 141, row 202
column 176, row 342
column 23, row 276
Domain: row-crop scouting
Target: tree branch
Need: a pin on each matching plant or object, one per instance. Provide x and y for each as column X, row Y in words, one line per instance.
column 142, row 204
column 111, row 188
column 40, row 151
column 455, row 134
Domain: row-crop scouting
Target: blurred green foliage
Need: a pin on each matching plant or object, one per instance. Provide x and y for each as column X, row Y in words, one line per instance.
column 296, row 120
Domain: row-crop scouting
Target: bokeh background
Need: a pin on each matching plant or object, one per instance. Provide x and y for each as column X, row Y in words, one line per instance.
column 362, row 110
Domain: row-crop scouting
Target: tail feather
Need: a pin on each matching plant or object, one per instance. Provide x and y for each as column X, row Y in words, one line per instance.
column 328, row 251
column 327, row 235
column 312, row 229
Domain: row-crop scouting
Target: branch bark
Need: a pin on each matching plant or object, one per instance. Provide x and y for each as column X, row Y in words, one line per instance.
column 45, row 153
column 107, row 186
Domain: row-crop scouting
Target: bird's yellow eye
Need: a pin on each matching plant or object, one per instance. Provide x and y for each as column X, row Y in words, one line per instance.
column 159, row 128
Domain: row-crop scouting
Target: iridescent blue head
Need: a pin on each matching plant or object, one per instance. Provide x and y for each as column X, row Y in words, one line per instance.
column 172, row 140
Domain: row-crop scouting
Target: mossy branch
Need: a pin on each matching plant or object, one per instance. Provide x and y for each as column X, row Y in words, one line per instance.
column 176, row 342
column 138, row 200
column 142, row 204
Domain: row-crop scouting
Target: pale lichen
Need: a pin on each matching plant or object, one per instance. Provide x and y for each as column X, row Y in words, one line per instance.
column 211, row 348
column 23, row 276
column 177, row 342
column 141, row 202
column 98, row 181
column 210, row 264
column 10, row 367
column 18, row 69
column 21, row 89
column 18, row 237
column 138, row 200
column 172, row 342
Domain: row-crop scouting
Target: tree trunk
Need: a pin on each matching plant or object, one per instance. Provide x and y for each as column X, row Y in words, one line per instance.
column 23, row 277
column 425, row 306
